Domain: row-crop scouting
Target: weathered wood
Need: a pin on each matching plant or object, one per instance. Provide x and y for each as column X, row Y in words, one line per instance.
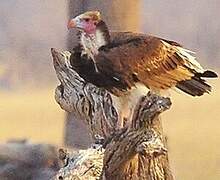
column 135, row 152
column 88, row 101
column 139, row 152
column 84, row 164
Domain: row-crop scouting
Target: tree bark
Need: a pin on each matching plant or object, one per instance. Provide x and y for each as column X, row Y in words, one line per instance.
column 120, row 15
column 135, row 152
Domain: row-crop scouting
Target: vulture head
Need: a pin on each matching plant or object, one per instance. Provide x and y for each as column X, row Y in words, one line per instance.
column 86, row 22
column 94, row 32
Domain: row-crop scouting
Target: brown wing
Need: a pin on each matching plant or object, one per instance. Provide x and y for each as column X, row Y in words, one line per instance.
column 157, row 63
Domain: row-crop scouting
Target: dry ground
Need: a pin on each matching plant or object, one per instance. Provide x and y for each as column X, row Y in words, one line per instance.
column 192, row 127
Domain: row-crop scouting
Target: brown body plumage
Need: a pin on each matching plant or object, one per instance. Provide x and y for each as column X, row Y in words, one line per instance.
column 159, row 64
column 121, row 61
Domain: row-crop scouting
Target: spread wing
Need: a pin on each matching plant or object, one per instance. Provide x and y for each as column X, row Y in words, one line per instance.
column 155, row 62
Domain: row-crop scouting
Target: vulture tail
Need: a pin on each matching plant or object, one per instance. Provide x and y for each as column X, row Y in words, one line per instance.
column 196, row 86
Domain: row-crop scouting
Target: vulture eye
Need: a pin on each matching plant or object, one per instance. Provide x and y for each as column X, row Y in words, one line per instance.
column 86, row 19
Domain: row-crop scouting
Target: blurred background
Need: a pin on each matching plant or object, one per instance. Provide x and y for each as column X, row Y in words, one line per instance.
column 28, row 29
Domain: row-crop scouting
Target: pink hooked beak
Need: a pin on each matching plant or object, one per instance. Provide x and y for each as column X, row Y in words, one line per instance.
column 72, row 24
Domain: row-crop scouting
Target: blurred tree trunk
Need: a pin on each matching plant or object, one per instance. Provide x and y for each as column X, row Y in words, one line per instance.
column 120, row 15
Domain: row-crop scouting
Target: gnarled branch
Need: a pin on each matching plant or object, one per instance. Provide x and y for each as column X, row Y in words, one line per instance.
column 76, row 95
column 139, row 152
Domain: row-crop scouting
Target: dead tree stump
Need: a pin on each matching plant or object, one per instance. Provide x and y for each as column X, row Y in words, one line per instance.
column 135, row 152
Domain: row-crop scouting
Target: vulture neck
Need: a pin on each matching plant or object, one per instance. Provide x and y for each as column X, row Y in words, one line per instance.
column 92, row 42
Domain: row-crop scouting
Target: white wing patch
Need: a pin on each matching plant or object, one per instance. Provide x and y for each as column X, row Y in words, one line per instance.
column 190, row 60
column 188, row 56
